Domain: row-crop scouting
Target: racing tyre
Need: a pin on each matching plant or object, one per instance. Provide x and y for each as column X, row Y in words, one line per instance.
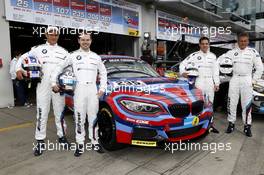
column 107, row 130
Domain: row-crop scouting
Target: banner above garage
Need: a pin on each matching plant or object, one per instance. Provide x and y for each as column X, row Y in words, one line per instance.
column 110, row 16
column 171, row 27
column 223, row 38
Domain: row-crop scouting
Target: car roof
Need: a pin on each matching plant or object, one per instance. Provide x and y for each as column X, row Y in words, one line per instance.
column 105, row 57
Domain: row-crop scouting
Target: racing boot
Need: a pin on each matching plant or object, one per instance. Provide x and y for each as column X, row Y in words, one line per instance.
column 40, row 147
column 230, row 128
column 98, row 148
column 214, row 130
column 79, row 150
column 64, row 143
column 247, row 130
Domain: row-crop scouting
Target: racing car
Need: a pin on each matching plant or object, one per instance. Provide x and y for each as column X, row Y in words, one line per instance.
column 258, row 98
column 142, row 108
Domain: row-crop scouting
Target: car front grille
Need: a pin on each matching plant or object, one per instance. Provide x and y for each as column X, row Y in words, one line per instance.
column 197, row 107
column 183, row 110
column 179, row 110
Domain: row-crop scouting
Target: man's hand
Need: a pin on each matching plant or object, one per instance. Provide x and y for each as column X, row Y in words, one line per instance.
column 185, row 74
column 56, row 88
column 216, row 88
column 100, row 93
column 19, row 75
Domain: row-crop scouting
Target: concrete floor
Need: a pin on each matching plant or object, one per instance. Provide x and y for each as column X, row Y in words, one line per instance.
column 16, row 156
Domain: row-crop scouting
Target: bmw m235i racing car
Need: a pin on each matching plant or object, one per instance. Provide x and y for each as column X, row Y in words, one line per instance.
column 142, row 108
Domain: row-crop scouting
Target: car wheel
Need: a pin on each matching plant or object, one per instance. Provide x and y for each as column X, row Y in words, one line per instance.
column 107, row 130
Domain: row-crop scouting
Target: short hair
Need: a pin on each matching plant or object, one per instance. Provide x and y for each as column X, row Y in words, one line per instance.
column 204, row 38
column 85, row 32
column 243, row 34
column 52, row 28
column 17, row 53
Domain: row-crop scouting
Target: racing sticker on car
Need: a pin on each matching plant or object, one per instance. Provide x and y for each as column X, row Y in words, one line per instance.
column 138, row 121
column 144, row 143
column 195, row 121
column 121, row 60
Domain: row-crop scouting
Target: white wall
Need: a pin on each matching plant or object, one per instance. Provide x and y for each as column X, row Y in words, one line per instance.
column 6, row 88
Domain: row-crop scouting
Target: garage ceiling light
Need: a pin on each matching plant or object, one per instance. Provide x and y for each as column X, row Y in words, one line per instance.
column 146, row 35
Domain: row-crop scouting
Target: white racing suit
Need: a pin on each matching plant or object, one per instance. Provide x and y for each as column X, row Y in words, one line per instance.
column 86, row 66
column 208, row 76
column 49, row 56
column 241, row 82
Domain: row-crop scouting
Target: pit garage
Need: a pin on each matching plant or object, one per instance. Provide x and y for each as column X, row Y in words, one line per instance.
column 218, row 154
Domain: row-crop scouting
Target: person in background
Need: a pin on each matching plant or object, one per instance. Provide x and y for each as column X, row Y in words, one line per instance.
column 12, row 72
column 20, row 86
column 160, row 69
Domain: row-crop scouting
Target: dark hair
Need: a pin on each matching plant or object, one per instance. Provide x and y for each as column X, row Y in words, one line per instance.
column 243, row 34
column 204, row 38
column 85, row 32
column 16, row 53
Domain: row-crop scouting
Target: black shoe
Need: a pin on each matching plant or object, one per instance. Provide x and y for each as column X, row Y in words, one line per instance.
column 247, row 130
column 79, row 150
column 64, row 142
column 39, row 148
column 98, row 148
column 214, row 130
column 230, row 128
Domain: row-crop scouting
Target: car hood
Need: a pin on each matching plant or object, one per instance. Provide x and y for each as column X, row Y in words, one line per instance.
column 260, row 84
column 159, row 88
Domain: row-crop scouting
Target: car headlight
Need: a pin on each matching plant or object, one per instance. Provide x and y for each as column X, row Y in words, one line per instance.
column 140, row 107
column 259, row 89
column 256, row 98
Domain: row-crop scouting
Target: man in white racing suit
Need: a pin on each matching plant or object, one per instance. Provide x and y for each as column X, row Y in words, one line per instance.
column 244, row 60
column 49, row 55
column 208, row 71
column 86, row 65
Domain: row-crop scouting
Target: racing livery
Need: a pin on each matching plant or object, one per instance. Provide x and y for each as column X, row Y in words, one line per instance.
column 142, row 108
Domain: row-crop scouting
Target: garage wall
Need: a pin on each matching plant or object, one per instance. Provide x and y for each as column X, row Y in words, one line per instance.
column 148, row 24
column 6, row 88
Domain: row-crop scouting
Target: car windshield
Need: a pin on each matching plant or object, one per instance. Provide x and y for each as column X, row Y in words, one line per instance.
column 129, row 68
